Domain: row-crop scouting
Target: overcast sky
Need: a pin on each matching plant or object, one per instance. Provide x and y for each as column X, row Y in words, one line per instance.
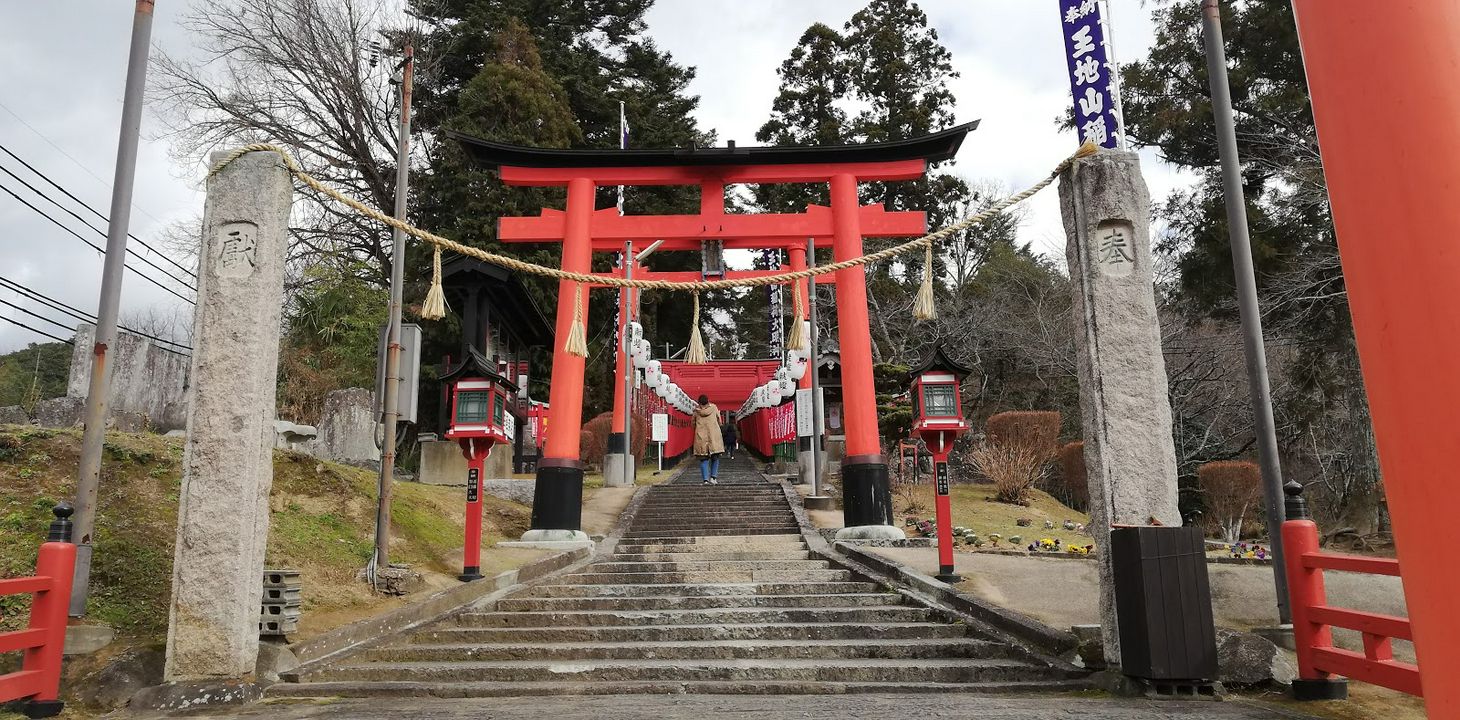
column 60, row 105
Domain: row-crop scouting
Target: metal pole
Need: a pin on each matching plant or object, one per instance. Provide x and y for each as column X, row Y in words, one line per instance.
column 1257, row 383
column 392, row 349
column 815, row 390
column 94, row 436
column 629, row 261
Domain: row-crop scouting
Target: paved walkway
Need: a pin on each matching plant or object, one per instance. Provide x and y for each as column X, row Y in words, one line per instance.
column 760, row 707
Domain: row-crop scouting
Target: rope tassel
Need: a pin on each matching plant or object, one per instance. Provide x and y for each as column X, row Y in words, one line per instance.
column 577, row 343
column 434, row 307
column 695, row 354
column 798, row 339
column 924, row 309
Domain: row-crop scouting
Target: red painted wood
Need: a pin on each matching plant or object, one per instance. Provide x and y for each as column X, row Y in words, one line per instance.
column 1388, row 625
column 1352, row 563
column 1387, row 130
column 18, row 586
column 1305, row 591
column 565, row 396
column 20, row 684
column 22, row 639
column 859, row 398
column 1392, row 674
column 476, row 458
column 611, row 229
column 727, row 174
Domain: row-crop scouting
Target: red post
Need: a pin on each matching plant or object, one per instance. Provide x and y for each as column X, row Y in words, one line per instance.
column 557, row 502
column 1385, row 101
column 56, row 560
column 866, row 498
column 1305, row 587
column 621, row 361
column 476, row 451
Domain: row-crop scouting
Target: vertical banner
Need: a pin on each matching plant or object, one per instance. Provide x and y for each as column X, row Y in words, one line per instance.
column 1092, row 75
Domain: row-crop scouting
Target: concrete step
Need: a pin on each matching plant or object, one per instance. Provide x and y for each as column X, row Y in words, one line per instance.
column 711, row 556
column 805, row 631
column 709, row 576
column 952, row 670
column 550, row 687
column 696, row 602
column 659, row 535
column 789, row 536
column 706, row 565
column 650, row 522
column 701, row 589
column 723, row 650
column 761, row 543
column 766, row 505
column 867, row 614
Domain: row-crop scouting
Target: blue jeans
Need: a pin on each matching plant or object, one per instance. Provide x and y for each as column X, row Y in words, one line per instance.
column 710, row 467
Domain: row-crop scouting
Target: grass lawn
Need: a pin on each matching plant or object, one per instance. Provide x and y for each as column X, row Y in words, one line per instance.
column 974, row 507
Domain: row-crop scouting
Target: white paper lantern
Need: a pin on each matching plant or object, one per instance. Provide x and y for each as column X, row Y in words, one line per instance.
column 788, row 387
column 636, row 333
column 797, row 369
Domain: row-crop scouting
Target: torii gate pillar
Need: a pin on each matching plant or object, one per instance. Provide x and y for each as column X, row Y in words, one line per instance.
column 866, row 497
column 557, row 501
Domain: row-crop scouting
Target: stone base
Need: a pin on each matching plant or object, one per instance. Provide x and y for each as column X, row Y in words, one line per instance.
column 557, row 545
column 819, row 502
column 1281, row 636
column 552, row 540
column 804, row 459
column 87, row 639
column 871, row 532
column 190, row 695
column 613, row 470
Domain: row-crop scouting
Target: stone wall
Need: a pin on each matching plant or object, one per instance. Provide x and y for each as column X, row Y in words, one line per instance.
column 346, row 430
column 146, row 380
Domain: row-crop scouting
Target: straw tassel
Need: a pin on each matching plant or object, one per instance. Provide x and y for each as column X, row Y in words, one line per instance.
column 695, row 354
column 577, row 343
column 434, row 307
column 924, row 309
column 798, row 340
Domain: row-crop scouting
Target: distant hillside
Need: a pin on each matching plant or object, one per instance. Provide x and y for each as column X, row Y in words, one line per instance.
column 35, row 373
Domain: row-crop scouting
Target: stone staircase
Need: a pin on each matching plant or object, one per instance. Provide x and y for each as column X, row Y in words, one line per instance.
column 710, row 590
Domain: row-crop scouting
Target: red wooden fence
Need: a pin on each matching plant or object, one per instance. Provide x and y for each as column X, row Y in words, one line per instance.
column 37, row 682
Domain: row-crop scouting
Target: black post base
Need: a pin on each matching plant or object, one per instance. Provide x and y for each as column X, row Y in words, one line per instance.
column 1310, row 690
column 946, row 574
column 469, row 574
column 36, row 708
column 866, row 496
column 557, row 500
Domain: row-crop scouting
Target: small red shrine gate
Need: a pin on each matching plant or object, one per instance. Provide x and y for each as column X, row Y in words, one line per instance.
column 582, row 230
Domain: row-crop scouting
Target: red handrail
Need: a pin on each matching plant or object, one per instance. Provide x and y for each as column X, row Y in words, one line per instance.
column 1314, row 618
column 38, row 681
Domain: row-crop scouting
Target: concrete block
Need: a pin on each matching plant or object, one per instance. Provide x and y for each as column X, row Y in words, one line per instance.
column 61, row 412
column 146, row 380
column 274, row 658
column 346, row 431
column 613, row 470
column 1125, row 411
column 87, row 639
column 223, row 513
column 290, row 436
column 442, row 463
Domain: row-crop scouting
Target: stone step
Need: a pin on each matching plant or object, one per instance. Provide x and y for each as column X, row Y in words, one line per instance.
column 711, row 556
column 705, row 565
column 728, row 521
column 551, row 687
column 659, row 535
column 694, row 633
column 867, row 614
column 763, row 543
column 706, row 517
column 696, row 602
column 723, row 650
column 711, row 505
column 709, row 576
column 789, row 536
column 701, row 589
column 950, row 670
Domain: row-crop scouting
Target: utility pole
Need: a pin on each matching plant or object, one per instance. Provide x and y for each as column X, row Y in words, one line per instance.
column 812, row 368
column 94, row 436
column 391, row 412
column 630, row 476
column 1246, row 281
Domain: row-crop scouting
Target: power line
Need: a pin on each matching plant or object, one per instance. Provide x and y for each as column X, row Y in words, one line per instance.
column 93, row 245
column 89, row 226
column 38, row 332
column 93, row 210
column 68, row 156
column 81, row 315
column 35, row 315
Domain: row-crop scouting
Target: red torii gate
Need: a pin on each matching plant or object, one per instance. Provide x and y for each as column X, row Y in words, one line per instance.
column 556, row 511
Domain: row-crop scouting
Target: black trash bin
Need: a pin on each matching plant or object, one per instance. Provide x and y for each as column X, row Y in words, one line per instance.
column 1163, row 603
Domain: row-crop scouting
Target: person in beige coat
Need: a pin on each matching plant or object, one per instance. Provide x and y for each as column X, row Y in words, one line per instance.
column 708, row 443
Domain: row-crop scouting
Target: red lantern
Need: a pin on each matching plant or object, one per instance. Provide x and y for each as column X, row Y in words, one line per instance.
column 481, row 418
column 939, row 421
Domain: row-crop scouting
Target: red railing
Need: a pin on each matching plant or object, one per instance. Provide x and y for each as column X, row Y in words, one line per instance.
column 37, row 683
column 1314, row 619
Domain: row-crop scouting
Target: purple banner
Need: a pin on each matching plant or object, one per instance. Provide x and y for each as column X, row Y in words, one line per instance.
column 1092, row 75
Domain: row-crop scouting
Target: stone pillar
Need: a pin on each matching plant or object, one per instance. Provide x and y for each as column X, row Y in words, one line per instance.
column 1124, row 408
column 347, row 428
column 223, row 511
